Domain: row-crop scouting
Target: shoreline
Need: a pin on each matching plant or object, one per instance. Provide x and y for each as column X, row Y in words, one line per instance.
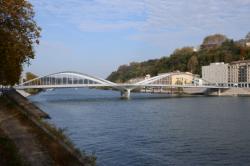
column 25, row 125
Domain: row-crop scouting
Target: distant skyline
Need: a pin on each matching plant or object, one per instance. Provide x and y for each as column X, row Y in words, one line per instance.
column 97, row 36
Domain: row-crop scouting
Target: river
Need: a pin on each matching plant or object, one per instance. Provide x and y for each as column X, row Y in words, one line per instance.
column 155, row 130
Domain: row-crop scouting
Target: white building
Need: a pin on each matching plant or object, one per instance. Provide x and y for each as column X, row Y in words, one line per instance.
column 198, row 81
column 148, row 76
column 216, row 73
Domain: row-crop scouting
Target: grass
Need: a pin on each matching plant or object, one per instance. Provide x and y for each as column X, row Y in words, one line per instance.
column 33, row 91
column 8, row 152
column 61, row 135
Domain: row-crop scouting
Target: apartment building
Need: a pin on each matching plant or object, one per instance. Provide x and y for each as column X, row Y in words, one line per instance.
column 239, row 73
column 235, row 74
column 216, row 73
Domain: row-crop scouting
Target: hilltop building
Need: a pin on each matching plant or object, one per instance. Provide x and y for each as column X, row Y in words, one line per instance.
column 244, row 42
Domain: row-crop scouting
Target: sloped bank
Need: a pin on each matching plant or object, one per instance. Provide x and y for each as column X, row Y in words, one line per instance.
column 50, row 143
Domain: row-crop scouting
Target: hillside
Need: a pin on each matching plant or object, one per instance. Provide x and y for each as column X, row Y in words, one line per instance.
column 215, row 48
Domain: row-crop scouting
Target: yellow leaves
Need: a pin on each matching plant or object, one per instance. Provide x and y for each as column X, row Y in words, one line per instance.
column 18, row 34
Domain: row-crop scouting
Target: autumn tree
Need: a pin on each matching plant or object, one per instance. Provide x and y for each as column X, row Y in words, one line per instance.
column 218, row 49
column 179, row 59
column 213, row 41
column 248, row 37
column 193, row 64
column 18, row 35
column 30, row 76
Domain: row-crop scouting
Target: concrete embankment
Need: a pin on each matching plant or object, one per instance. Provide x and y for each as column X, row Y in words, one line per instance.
column 27, row 107
column 23, row 93
column 229, row 92
column 38, row 142
column 236, row 92
column 209, row 92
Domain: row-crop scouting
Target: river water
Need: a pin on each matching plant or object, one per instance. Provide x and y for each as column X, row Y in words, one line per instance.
column 151, row 129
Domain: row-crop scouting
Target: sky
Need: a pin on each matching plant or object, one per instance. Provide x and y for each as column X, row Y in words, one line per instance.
column 97, row 36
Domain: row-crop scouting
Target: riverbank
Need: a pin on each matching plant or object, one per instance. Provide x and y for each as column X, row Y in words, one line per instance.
column 8, row 152
column 201, row 91
column 35, row 141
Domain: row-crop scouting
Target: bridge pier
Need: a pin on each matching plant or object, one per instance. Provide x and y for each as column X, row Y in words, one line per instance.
column 219, row 92
column 125, row 94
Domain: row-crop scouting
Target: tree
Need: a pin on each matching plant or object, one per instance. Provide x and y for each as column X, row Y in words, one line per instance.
column 179, row 59
column 213, row 41
column 186, row 59
column 193, row 64
column 18, row 35
column 248, row 37
column 30, row 76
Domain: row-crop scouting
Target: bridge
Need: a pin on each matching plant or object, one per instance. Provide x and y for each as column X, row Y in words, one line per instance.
column 71, row 79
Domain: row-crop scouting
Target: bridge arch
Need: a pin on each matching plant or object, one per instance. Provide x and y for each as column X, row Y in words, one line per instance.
column 163, row 79
column 65, row 79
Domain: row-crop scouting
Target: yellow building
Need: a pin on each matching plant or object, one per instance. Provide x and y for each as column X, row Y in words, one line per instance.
column 182, row 79
column 175, row 78
column 179, row 78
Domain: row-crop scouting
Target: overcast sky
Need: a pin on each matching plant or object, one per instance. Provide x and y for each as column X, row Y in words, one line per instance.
column 96, row 36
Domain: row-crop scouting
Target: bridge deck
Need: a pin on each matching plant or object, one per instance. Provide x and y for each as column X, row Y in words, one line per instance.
column 119, row 86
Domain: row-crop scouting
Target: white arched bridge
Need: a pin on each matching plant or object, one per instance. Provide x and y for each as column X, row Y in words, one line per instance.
column 70, row 79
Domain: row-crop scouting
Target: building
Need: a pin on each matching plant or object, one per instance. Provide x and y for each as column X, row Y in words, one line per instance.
column 239, row 73
column 235, row 74
column 179, row 78
column 216, row 73
column 135, row 80
column 244, row 42
column 148, row 76
column 182, row 78
column 138, row 79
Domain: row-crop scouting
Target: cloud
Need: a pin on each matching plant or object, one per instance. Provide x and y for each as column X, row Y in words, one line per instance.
column 84, row 10
column 193, row 14
column 150, row 17
column 92, row 26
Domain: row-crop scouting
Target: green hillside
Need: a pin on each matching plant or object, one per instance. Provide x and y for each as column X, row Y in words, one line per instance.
column 215, row 48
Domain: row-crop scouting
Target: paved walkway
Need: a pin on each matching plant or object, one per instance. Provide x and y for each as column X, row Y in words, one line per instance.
column 29, row 147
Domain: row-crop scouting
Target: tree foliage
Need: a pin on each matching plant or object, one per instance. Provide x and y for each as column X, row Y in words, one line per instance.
column 213, row 41
column 185, row 59
column 30, row 76
column 193, row 64
column 248, row 37
column 18, row 34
